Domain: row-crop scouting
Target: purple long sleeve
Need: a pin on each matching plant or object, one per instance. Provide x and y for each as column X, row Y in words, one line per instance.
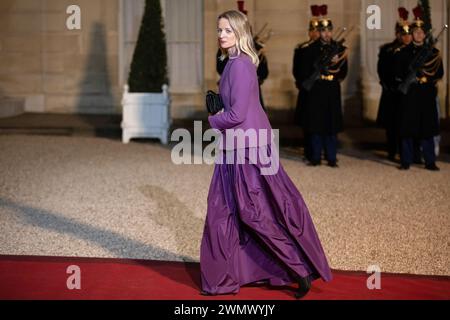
column 241, row 78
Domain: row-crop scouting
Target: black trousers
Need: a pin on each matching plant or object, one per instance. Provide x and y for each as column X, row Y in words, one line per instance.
column 307, row 145
column 392, row 141
column 409, row 151
column 328, row 143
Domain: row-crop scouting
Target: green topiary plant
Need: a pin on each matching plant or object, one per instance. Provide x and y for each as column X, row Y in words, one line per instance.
column 148, row 70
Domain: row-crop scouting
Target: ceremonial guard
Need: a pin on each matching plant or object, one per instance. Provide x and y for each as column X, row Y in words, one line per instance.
column 323, row 65
column 418, row 68
column 263, row 67
column 388, row 111
column 313, row 34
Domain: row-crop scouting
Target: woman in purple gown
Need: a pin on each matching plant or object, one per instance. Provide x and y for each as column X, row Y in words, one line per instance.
column 258, row 227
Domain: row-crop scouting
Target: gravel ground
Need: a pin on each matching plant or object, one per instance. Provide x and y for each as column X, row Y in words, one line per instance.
column 95, row 197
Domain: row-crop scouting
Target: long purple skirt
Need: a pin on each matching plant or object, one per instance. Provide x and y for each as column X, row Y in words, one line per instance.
column 257, row 228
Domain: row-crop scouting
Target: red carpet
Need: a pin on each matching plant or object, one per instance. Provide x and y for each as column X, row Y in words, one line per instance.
column 28, row 277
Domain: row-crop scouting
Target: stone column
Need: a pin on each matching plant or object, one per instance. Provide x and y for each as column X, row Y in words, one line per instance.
column 447, row 106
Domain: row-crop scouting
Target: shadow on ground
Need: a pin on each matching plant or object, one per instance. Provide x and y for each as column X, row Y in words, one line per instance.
column 117, row 244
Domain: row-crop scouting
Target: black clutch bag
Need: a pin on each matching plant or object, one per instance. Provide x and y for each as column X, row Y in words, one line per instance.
column 213, row 102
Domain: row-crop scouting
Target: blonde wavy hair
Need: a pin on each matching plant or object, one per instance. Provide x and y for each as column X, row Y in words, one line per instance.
column 244, row 39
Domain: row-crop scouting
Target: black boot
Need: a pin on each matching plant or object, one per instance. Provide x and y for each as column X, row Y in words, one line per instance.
column 432, row 167
column 333, row 164
column 314, row 163
column 304, row 285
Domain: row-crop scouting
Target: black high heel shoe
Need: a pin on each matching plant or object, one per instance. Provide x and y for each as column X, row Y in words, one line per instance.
column 304, row 285
column 205, row 293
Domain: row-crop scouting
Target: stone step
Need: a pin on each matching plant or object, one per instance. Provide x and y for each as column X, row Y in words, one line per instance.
column 10, row 107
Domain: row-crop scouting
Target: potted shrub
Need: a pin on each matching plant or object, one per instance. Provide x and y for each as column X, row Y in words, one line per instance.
column 146, row 98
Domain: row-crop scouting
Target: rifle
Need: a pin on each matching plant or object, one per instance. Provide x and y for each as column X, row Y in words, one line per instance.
column 266, row 38
column 322, row 63
column 419, row 60
column 260, row 41
column 257, row 35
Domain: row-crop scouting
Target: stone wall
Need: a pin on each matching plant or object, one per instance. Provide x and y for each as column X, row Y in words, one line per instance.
column 55, row 69
column 46, row 68
column 447, row 98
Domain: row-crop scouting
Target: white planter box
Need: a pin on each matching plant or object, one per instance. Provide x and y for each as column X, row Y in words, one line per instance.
column 146, row 115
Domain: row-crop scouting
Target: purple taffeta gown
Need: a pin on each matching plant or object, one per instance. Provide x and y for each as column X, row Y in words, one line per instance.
column 257, row 227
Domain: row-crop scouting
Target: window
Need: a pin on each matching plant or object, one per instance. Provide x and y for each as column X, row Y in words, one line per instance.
column 184, row 33
column 183, row 20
